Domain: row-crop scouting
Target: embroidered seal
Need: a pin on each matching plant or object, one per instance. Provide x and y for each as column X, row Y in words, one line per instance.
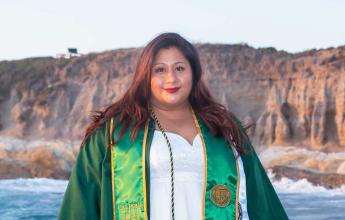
column 220, row 195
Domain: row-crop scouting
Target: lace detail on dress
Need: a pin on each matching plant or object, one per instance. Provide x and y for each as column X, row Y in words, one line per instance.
column 188, row 159
column 188, row 173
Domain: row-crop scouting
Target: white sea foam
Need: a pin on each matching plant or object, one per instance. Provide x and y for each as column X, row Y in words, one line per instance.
column 286, row 185
column 42, row 197
column 34, row 185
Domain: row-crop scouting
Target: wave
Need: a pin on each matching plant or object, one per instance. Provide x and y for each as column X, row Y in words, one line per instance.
column 282, row 186
column 34, row 185
column 286, row 185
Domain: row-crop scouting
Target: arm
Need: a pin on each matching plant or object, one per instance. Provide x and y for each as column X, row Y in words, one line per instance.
column 262, row 200
column 82, row 197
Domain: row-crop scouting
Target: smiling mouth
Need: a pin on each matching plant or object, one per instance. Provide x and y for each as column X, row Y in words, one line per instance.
column 171, row 90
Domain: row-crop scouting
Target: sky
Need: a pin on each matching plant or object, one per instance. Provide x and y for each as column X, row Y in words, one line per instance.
column 33, row 28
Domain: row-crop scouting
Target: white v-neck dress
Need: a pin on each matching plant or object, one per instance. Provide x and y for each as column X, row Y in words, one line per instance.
column 188, row 178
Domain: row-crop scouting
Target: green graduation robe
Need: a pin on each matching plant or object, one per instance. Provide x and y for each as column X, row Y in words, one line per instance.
column 89, row 193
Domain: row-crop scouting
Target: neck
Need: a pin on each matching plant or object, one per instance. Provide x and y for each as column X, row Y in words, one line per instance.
column 175, row 113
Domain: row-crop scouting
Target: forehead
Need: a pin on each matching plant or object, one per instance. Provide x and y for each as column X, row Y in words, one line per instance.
column 169, row 55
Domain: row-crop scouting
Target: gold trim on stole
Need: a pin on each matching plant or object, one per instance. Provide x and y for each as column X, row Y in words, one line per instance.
column 205, row 169
column 205, row 163
column 111, row 132
column 144, row 166
column 238, row 179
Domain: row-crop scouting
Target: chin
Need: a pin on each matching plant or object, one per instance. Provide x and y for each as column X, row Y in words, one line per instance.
column 171, row 103
column 174, row 103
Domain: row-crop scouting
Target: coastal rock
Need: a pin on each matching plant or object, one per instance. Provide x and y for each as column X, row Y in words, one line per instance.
column 327, row 180
column 293, row 99
column 341, row 168
column 50, row 159
column 303, row 158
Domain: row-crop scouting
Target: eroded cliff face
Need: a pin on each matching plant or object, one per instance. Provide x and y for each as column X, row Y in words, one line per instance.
column 51, row 98
column 293, row 99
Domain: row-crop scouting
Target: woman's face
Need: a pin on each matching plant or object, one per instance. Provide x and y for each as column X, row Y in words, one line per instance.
column 171, row 78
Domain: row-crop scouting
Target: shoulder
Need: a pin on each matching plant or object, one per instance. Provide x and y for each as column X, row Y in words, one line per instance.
column 98, row 141
column 247, row 145
column 237, row 121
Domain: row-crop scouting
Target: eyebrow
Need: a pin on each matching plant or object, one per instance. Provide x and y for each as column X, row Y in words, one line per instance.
column 164, row 63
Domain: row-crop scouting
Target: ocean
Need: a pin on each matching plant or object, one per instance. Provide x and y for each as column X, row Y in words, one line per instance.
column 40, row 198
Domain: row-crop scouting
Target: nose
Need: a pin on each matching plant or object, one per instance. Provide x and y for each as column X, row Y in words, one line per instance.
column 171, row 75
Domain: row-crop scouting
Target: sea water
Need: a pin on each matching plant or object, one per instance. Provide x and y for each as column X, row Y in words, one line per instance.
column 41, row 198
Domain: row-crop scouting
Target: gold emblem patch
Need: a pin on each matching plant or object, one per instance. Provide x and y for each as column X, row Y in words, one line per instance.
column 220, row 195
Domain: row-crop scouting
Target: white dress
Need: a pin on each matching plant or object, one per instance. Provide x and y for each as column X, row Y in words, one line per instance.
column 188, row 178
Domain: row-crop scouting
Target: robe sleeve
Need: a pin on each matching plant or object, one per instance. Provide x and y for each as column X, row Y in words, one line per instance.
column 262, row 199
column 82, row 197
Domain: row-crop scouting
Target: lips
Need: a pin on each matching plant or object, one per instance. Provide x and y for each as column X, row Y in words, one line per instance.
column 172, row 90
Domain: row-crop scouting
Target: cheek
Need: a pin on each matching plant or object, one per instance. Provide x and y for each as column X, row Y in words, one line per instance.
column 188, row 81
column 155, row 84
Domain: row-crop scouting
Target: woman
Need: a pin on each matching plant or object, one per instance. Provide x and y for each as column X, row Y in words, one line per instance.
column 168, row 150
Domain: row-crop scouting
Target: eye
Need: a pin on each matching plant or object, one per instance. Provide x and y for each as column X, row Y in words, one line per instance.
column 180, row 68
column 159, row 70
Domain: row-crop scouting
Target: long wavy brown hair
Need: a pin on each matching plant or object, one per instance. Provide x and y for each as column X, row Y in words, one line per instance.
column 133, row 108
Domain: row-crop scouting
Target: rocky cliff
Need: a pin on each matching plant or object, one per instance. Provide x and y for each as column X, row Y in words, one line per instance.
column 293, row 99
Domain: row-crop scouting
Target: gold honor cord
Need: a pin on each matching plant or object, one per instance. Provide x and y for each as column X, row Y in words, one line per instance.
column 171, row 163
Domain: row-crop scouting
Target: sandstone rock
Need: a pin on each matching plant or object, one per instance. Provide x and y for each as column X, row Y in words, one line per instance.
column 341, row 168
column 328, row 180
column 302, row 158
column 49, row 159
column 294, row 99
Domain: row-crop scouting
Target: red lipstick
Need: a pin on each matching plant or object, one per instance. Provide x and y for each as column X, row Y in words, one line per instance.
column 171, row 90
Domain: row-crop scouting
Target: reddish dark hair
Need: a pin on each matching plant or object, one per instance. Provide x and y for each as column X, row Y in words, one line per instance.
column 132, row 108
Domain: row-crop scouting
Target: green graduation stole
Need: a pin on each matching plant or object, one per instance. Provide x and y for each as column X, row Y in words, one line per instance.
column 130, row 174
